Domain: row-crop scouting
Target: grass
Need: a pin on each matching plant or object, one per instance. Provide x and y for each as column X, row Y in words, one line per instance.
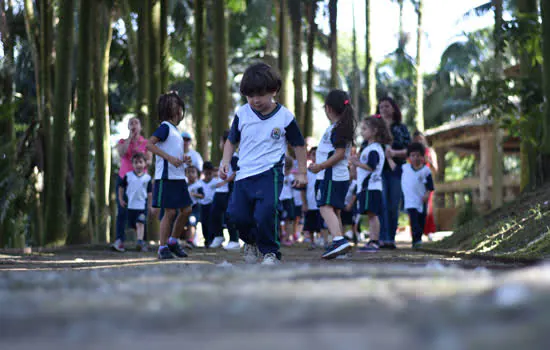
column 520, row 229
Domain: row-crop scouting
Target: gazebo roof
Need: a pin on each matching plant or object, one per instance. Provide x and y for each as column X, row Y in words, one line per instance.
column 476, row 118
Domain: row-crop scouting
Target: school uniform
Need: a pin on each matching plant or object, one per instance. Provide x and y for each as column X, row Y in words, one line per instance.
column 136, row 188
column 286, row 199
column 312, row 221
column 220, row 204
column 415, row 183
column 332, row 184
column 347, row 216
column 297, row 196
column 195, row 215
column 262, row 143
column 209, row 189
column 369, row 183
column 170, row 189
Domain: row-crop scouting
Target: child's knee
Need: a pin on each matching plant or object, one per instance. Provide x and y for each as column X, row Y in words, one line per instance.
column 169, row 213
column 186, row 211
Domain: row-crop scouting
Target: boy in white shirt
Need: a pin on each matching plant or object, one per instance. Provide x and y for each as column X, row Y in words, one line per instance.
column 417, row 183
column 287, row 203
column 209, row 187
column 197, row 193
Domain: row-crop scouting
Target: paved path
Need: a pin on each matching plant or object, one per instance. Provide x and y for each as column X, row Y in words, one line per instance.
column 98, row 299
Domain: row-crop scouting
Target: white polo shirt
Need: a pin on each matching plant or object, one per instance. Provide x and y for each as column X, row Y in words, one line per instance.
column 137, row 187
column 171, row 143
column 373, row 156
column 325, row 150
column 415, row 184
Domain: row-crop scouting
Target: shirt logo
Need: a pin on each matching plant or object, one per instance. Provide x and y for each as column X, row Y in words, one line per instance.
column 276, row 133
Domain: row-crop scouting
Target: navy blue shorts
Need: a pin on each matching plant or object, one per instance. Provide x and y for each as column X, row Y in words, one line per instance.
column 171, row 194
column 297, row 211
column 288, row 210
column 329, row 192
column 136, row 216
column 313, row 221
column 370, row 201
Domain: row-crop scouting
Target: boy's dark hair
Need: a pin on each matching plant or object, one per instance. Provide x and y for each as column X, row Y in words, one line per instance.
column 416, row 147
column 225, row 135
column 382, row 134
column 168, row 106
column 207, row 166
column 259, row 79
column 397, row 116
column 192, row 167
column 139, row 155
column 344, row 129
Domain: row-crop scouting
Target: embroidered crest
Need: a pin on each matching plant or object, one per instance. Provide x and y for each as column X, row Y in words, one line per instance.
column 276, row 133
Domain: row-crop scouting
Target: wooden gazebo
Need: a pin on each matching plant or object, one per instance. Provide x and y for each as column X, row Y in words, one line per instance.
column 473, row 134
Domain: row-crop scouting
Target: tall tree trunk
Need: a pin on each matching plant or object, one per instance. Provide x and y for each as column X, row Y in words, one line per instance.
column 295, row 11
column 56, row 214
column 102, row 48
column 355, row 80
column 125, row 13
column 46, row 62
column 143, row 68
column 283, row 50
column 312, row 11
column 419, row 116
column 200, row 103
column 401, row 26
column 270, row 40
column 545, row 147
column 164, row 45
column 531, row 76
column 370, row 74
column 498, row 155
column 33, row 37
column 219, row 79
column 333, row 44
column 154, row 62
column 79, row 222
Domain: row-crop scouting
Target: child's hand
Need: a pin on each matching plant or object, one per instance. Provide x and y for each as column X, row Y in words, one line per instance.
column 354, row 160
column 175, row 161
column 349, row 207
column 122, row 202
column 389, row 152
column 187, row 160
column 315, row 168
column 223, row 171
column 300, row 180
column 220, row 184
column 426, row 197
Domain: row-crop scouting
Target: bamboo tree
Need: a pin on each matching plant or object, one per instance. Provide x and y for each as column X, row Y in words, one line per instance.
column 125, row 13
column 356, row 83
column 283, row 49
column 79, row 223
column 295, row 11
column 370, row 74
column 33, row 37
column 312, row 32
column 102, row 46
column 333, row 45
column 56, row 214
column 419, row 116
column 199, row 93
column 164, row 45
column 219, row 80
column 498, row 155
column 46, row 62
column 143, row 68
column 545, row 147
column 154, row 62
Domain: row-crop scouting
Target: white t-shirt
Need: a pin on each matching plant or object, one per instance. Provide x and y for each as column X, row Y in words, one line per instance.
column 209, row 189
column 171, row 143
column 232, row 168
column 415, row 183
column 325, row 150
column 137, row 188
column 310, row 191
column 196, row 159
column 297, row 195
column 372, row 153
column 262, row 139
column 196, row 187
column 352, row 189
column 286, row 192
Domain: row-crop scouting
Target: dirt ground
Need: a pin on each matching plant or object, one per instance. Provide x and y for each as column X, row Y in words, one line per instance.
column 95, row 298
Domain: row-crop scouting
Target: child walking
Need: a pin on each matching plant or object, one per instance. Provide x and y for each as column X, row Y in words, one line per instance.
column 332, row 168
column 209, row 187
column 417, row 184
column 369, row 176
column 262, row 129
column 170, row 189
column 287, row 204
column 312, row 218
column 134, row 193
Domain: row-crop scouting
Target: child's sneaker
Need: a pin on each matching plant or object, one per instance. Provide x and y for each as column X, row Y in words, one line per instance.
column 176, row 249
column 216, row 242
column 349, row 235
column 141, row 246
column 118, row 246
column 165, row 253
column 431, row 237
column 417, row 245
column 270, row 259
column 251, row 253
column 337, row 247
column 232, row 246
column 370, row 247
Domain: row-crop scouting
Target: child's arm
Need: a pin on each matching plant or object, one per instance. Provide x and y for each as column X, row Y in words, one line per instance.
column 152, row 147
column 349, row 207
column 339, row 154
column 355, row 161
column 150, row 195
column 121, row 189
column 429, row 187
column 303, row 194
column 226, row 181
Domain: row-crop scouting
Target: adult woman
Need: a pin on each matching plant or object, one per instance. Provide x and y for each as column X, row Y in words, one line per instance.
column 431, row 161
column 135, row 143
column 391, row 113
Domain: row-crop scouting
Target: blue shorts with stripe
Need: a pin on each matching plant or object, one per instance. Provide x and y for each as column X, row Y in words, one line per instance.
column 370, row 201
column 330, row 192
column 171, row 194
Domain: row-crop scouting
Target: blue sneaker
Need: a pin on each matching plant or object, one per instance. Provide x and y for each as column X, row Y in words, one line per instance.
column 165, row 253
column 336, row 248
column 370, row 247
column 177, row 250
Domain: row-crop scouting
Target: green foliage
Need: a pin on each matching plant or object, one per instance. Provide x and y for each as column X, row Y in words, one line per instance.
column 459, row 168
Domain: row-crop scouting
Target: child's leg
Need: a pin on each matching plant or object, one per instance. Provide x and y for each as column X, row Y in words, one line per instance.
column 205, row 223
column 332, row 219
column 166, row 225
column 267, row 191
column 240, row 212
column 374, row 226
column 140, row 231
column 181, row 221
column 415, row 220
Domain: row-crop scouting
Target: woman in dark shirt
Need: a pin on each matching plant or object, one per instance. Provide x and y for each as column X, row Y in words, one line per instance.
column 393, row 194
